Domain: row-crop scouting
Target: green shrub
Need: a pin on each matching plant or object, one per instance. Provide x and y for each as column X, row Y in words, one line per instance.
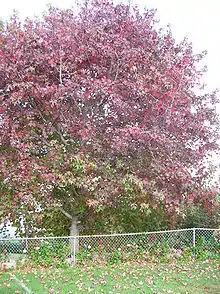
column 49, row 254
column 197, row 217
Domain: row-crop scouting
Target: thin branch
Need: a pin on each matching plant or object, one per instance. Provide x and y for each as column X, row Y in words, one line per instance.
column 52, row 126
column 65, row 213
column 65, row 142
column 117, row 67
column 61, row 81
column 153, row 97
column 174, row 96
column 116, row 74
column 77, row 105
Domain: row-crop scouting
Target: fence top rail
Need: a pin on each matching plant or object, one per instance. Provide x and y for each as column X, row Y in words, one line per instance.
column 106, row 235
column 206, row 229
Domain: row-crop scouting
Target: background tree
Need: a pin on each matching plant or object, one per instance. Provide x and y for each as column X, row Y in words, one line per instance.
column 88, row 99
column 1, row 25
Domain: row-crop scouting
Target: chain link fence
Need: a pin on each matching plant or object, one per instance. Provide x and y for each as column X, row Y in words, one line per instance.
column 105, row 247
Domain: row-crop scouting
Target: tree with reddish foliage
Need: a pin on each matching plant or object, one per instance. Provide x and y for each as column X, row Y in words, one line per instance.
column 105, row 88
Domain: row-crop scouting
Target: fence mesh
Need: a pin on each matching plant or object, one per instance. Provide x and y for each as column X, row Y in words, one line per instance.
column 85, row 248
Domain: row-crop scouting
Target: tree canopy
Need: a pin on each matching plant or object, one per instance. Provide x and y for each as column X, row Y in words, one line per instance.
column 91, row 99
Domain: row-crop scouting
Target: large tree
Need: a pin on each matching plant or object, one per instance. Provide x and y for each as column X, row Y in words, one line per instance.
column 88, row 98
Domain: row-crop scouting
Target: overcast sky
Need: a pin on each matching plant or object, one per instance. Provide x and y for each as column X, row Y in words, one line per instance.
column 198, row 20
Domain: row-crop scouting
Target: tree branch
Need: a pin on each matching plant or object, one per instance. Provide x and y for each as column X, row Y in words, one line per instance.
column 46, row 121
column 174, row 96
column 65, row 142
column 117, row 67
column 65, row 213
column 61, row 81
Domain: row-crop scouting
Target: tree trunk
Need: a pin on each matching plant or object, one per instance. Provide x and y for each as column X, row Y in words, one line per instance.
column 74, row 242
column 74, row 231
column 74, row 234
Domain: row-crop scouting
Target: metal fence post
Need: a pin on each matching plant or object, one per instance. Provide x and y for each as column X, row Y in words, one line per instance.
column 194, row 237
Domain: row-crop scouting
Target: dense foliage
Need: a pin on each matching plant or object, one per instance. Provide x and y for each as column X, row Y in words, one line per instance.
column 98, row 109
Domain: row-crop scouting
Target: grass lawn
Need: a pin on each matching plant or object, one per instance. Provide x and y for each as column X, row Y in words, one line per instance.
column 194, row 277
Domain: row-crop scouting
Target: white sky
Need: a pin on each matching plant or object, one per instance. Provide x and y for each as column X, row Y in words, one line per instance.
column 196, row 19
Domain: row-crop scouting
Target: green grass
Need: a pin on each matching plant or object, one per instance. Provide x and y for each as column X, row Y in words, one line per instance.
column 193, row 277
